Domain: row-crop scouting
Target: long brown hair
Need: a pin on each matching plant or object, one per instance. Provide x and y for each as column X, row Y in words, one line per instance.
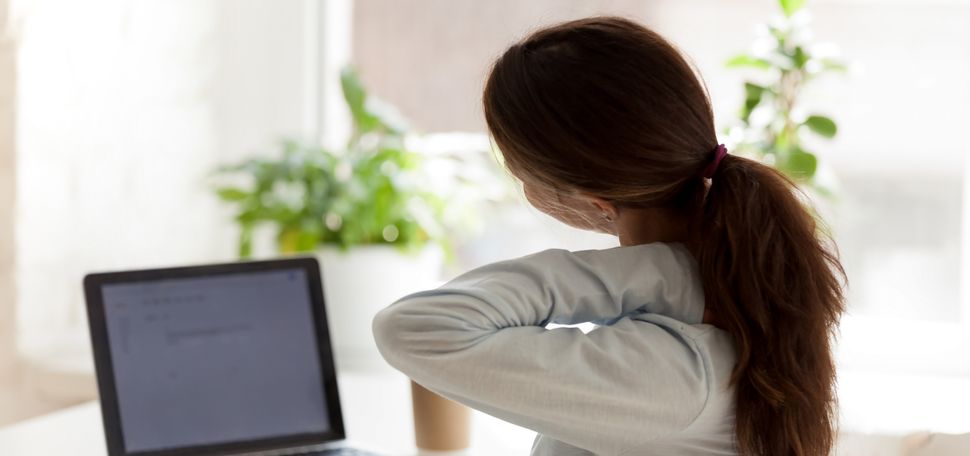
column 608, row 107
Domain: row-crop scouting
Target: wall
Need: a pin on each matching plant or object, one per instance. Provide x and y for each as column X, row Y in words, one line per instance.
column 430, row 57
column 124, row 110
column 8, row 83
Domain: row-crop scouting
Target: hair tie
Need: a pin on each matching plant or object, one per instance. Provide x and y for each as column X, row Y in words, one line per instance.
column 719, row 154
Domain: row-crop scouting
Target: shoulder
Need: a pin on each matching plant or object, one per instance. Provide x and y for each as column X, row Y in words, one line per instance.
column 619, row 266
column 672, row 252
column 655, row 253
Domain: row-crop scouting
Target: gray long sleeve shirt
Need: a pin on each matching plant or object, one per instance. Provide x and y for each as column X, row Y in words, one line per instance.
column 651, row 379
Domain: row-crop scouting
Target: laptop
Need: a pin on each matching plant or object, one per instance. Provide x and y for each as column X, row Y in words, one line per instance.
column 215, row 360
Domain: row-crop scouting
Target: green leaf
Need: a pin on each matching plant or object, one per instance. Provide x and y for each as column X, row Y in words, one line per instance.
column 387, row 116
column 801, row 164
column 834, row 65
column 744, row 60
column 821, row 125
column 369, row 113
column 790, row 6
column 308, row 237
column 245, row 240
column 799, row 58
column 232, row 194
column 783, row 142
column 356, row 97
column 354, row 93
column 752, row 97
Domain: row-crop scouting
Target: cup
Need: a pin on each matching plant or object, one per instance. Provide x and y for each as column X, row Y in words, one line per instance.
column 440, row 424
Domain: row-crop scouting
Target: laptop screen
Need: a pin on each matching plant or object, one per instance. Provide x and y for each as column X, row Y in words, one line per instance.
column 214, row 359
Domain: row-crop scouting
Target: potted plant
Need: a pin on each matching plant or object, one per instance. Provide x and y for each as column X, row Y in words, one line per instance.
column 772, row 122
column 363, row 210
column 374, row 214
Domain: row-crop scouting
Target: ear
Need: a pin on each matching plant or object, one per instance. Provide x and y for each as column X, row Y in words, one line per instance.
column 603, row 206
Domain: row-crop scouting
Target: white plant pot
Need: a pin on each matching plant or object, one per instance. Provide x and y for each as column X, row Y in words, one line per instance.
column 360, row 282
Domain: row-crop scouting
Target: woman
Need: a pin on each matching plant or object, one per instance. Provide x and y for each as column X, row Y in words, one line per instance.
column 716, row 310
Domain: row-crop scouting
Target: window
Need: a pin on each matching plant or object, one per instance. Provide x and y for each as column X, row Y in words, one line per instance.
column 903, row 240
column 123, row 110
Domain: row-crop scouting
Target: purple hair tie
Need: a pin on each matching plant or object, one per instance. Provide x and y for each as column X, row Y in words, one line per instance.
column 719, row 154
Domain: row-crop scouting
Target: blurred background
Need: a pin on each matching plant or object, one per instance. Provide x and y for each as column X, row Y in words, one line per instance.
column 134, row 134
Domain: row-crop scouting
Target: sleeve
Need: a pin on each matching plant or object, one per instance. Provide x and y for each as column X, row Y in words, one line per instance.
column 481, row 340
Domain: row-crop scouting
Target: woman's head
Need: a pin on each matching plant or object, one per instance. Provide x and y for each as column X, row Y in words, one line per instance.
column 601, row 107
column 601, row 114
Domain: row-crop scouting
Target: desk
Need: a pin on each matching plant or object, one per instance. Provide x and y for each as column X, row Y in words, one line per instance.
column 376, row 409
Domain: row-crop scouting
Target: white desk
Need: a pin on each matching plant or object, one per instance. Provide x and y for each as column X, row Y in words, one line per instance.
column 376, row 409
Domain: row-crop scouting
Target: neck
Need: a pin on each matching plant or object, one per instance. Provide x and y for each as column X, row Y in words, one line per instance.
column 645, row 225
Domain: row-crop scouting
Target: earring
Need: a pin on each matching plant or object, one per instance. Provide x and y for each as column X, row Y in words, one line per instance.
column 608, row 217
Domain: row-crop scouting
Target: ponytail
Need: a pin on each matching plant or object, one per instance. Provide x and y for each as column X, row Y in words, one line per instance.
column 772, row 282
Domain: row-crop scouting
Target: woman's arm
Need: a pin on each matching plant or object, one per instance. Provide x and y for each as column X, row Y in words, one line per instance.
column 481, row 340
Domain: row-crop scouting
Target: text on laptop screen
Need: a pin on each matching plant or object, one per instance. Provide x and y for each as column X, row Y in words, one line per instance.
column 215, row 359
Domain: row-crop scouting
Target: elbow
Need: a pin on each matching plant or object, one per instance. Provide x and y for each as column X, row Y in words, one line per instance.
column 418, row 335
column 388, row 336
column 402, row 336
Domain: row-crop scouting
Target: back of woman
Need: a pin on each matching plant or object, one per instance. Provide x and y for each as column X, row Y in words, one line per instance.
column 714, row 315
